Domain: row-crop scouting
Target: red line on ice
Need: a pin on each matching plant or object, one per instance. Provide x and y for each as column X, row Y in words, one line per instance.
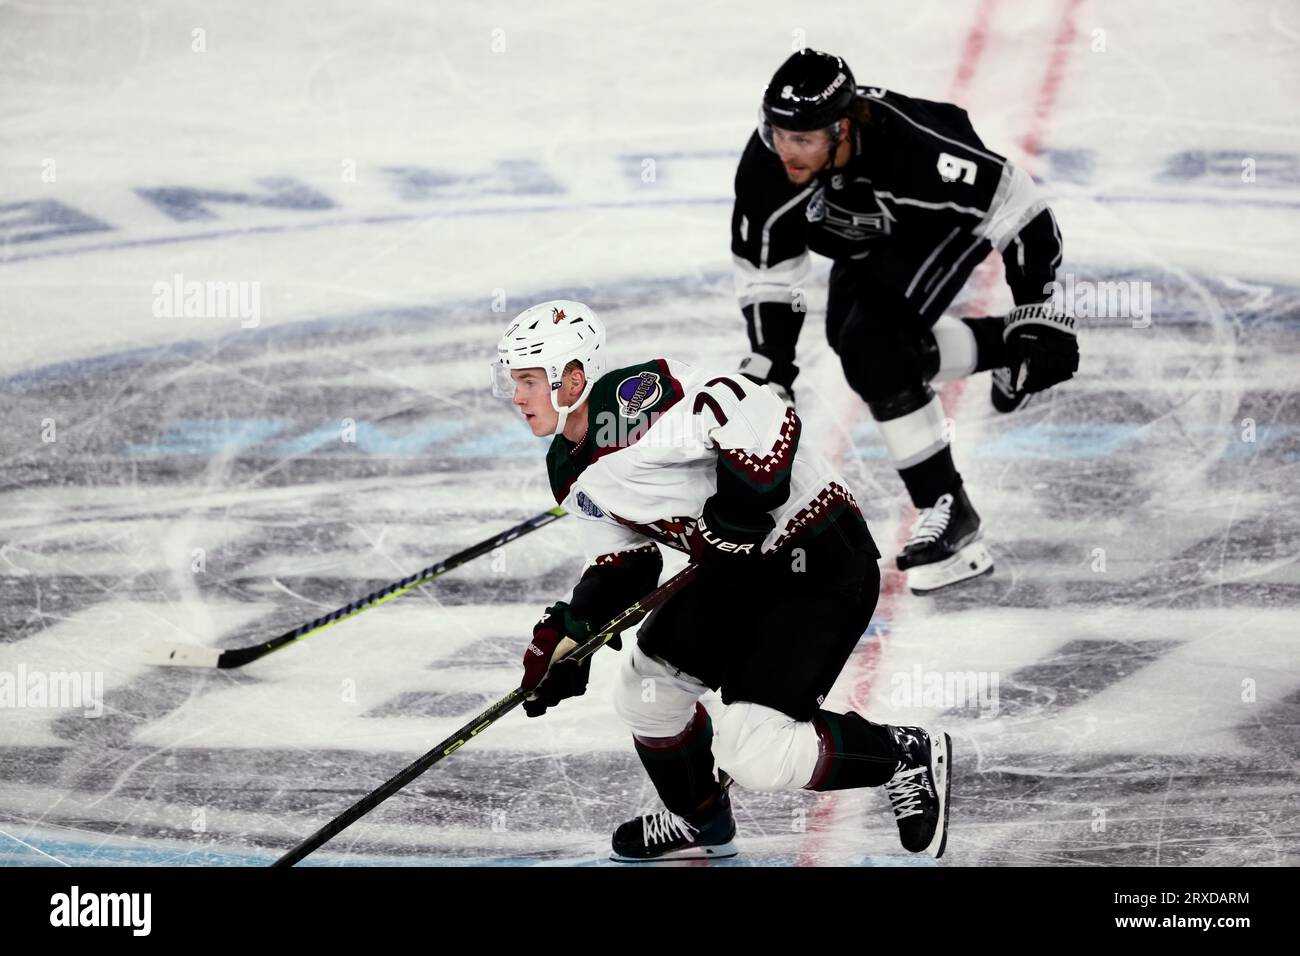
column 972, row 50
column 866, row 663
column 1052, row 81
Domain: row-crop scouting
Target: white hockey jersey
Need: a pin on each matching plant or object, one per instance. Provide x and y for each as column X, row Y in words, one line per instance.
column 663, row 437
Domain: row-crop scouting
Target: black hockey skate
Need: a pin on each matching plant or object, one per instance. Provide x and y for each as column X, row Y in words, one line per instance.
column 669, row 836
column 920, row 788
column 945, row 545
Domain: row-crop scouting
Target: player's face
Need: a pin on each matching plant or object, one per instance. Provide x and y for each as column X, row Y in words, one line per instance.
column 802, row 153
column 533, row 399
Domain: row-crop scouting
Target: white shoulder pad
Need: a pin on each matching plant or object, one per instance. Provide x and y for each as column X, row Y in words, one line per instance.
column 735, row 413
column 776, row 283
column 1016, row 201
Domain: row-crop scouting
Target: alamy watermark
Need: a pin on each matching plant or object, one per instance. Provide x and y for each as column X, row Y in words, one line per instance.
column 688, row 432
column 1102, row 300
column 952, row 690
column 62, row 690
column 75, row 908
column 208, row 300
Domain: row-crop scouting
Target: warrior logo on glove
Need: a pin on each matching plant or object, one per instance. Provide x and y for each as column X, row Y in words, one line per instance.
column 1042, row 346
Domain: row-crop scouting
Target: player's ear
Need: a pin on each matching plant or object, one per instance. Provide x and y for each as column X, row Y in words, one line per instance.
column 574, row 382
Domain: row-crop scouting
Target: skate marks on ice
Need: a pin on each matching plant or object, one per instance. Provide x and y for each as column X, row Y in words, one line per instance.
column 226, row 489
column 1141, row 617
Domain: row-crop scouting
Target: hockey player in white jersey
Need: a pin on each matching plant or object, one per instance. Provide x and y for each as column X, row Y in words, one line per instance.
column 663, row 453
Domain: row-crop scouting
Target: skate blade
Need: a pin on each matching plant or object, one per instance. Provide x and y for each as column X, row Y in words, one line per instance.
column 941, row 768
column 972, row 561
column 720, row 852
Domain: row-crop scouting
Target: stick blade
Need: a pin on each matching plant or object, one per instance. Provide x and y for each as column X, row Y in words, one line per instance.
column 182, row 655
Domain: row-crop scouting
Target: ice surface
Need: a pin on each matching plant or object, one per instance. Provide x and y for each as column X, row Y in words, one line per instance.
column 411, row 176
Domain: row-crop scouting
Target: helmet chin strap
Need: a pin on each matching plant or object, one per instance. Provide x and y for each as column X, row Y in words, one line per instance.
column 564, row 410
column 559, row 422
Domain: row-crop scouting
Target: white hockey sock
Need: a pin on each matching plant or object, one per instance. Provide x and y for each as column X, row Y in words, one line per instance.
column 764, row 749
column 915, row 436
column 958, row 353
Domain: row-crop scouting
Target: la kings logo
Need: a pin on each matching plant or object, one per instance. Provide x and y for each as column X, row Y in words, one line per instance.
column 816, row 210
column 853, row 225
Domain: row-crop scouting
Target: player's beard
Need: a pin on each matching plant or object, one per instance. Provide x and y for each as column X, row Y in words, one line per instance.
column 809, row 174
column 812, row 173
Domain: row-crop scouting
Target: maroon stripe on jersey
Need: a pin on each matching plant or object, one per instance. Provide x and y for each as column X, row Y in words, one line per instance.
column 817, row 514
column 662, row 365
column 702, row 400
column 673, row 395
column 563, row 491
column 763, row 471
column 623, row 558
column 669, row 531
column 826, row 748
column 736, row 389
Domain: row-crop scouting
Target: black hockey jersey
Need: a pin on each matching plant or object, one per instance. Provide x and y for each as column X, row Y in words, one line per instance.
column 921, row 193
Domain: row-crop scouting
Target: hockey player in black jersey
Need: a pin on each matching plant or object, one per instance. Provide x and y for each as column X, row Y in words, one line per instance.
column 661, row 453
column 904, row 197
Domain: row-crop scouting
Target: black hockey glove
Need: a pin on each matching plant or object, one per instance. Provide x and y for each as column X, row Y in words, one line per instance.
column 720, row 539
column 547, row 672
column 1042, row 348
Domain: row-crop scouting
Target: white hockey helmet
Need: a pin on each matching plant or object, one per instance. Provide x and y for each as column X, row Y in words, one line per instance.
column 550, row 336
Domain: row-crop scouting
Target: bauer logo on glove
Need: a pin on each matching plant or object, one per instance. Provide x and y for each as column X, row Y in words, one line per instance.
column 718, row 538
column 709, row 539
column 547, row 672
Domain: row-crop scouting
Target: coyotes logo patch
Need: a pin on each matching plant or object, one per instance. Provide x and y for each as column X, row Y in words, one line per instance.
column 638, row 393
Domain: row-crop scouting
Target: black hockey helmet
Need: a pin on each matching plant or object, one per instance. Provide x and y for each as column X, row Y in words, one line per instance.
column 811, row 90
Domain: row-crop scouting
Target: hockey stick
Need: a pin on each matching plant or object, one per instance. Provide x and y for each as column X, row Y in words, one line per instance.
column 192, row 655
column 633, row 615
